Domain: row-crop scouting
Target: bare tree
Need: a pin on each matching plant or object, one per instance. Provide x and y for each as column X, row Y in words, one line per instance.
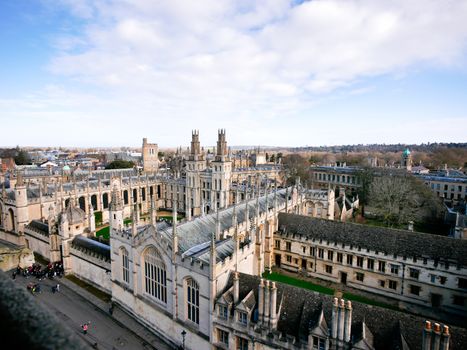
column 400, row 199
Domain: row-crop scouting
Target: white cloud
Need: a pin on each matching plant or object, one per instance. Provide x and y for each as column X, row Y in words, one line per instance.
column 235, row 63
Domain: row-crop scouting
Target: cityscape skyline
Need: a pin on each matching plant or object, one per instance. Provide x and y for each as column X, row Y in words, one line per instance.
column 288, row 73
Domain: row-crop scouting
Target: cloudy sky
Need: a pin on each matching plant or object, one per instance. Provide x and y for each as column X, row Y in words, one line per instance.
column 289, row 73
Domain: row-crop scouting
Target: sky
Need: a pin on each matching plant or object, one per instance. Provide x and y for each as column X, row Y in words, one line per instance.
column 279, row 73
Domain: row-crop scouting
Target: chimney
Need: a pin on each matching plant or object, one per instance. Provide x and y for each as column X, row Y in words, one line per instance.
column 236, row 287
column 348, row 321
column 437, row 336
column 426, row 343
column 267, row 304
column 334, row 319
column 445, row 338
column 260, row 301
column 340, row 328
column 273, row 322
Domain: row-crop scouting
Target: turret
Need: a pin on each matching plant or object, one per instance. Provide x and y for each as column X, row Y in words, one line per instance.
column 116, row 211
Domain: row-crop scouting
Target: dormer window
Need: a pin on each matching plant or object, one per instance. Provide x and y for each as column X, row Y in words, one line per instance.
column 222, row 311
column 242, row 317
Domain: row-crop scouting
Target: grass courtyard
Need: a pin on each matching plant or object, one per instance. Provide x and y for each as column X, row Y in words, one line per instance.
column 274, row 276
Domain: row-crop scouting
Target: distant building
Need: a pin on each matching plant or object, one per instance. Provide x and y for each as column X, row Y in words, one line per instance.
column 150, row 156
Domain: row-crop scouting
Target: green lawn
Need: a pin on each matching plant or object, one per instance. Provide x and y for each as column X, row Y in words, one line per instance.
column 105, row 231
column 274, row 276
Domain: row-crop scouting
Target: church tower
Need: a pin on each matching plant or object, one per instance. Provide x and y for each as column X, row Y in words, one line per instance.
column 407, row 160
column 194, row 165
column 221, row 173
column 150, row 156
column 21, row 200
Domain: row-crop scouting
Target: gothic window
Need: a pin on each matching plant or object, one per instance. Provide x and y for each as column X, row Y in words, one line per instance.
column 105, row 200
column 125, row 265
column 125, row 197
column 192, row 300
column 155, row 275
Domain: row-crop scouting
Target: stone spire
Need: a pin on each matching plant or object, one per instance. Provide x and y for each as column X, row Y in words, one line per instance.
column 134, row 221
column 218, row 225
column 19, row 179
column 153, row 213
column 212, row 250
column 247, row 213
column 115, row 200
column 174, row 230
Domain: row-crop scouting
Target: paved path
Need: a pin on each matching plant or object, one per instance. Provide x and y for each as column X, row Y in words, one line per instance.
column 74, row 306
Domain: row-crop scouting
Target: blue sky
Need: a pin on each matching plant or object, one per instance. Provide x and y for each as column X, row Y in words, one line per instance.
column 288, row 73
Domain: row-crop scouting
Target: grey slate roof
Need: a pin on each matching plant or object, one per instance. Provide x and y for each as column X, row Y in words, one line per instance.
column 89, row 245
column 39, row 226
column 389, row 329
column 380, row 239
column 198, row 231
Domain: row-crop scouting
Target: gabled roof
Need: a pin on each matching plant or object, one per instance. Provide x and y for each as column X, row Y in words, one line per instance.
column 381, row 239
column 379, row 327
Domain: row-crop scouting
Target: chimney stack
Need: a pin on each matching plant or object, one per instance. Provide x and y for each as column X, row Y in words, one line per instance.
column 437, row 336
column 334, row 319
column 236, row 287
column 267, row 304
column 445, row 338
column 340, row 328
column 348, row 321
column 426, row 343
column 273, row 313
column 260, row 301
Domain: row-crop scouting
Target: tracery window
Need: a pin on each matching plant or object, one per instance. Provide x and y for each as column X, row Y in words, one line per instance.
column 155, row 275
column 192, row 300
column 125, row 265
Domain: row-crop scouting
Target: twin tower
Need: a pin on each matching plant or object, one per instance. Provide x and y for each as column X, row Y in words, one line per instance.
column 207, row 187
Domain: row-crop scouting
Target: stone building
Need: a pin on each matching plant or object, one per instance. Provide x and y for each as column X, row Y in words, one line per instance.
column 414, row 268
column 150, row 153
column 169, row 277
column 252, row 313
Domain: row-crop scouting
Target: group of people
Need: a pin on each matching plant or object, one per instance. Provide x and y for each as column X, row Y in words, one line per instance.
column 52, row 270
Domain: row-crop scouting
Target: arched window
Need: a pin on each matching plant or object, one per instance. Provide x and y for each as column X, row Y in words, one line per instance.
column 12, row 220
column 155, row 275
column 125, row 265
column 105, row 200
column 192, row 300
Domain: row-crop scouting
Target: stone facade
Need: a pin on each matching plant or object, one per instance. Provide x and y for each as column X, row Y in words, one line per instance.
column 412, row 267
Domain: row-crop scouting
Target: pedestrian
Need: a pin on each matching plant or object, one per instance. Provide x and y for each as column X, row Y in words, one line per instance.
column 14, row 274
column 111, row 308
column 57, row 287
column 85, row 328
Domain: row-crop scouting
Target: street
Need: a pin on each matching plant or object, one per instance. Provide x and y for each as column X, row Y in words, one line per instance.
column 73, row 310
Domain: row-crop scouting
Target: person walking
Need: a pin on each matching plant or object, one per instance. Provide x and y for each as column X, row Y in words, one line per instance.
column 85, row 328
